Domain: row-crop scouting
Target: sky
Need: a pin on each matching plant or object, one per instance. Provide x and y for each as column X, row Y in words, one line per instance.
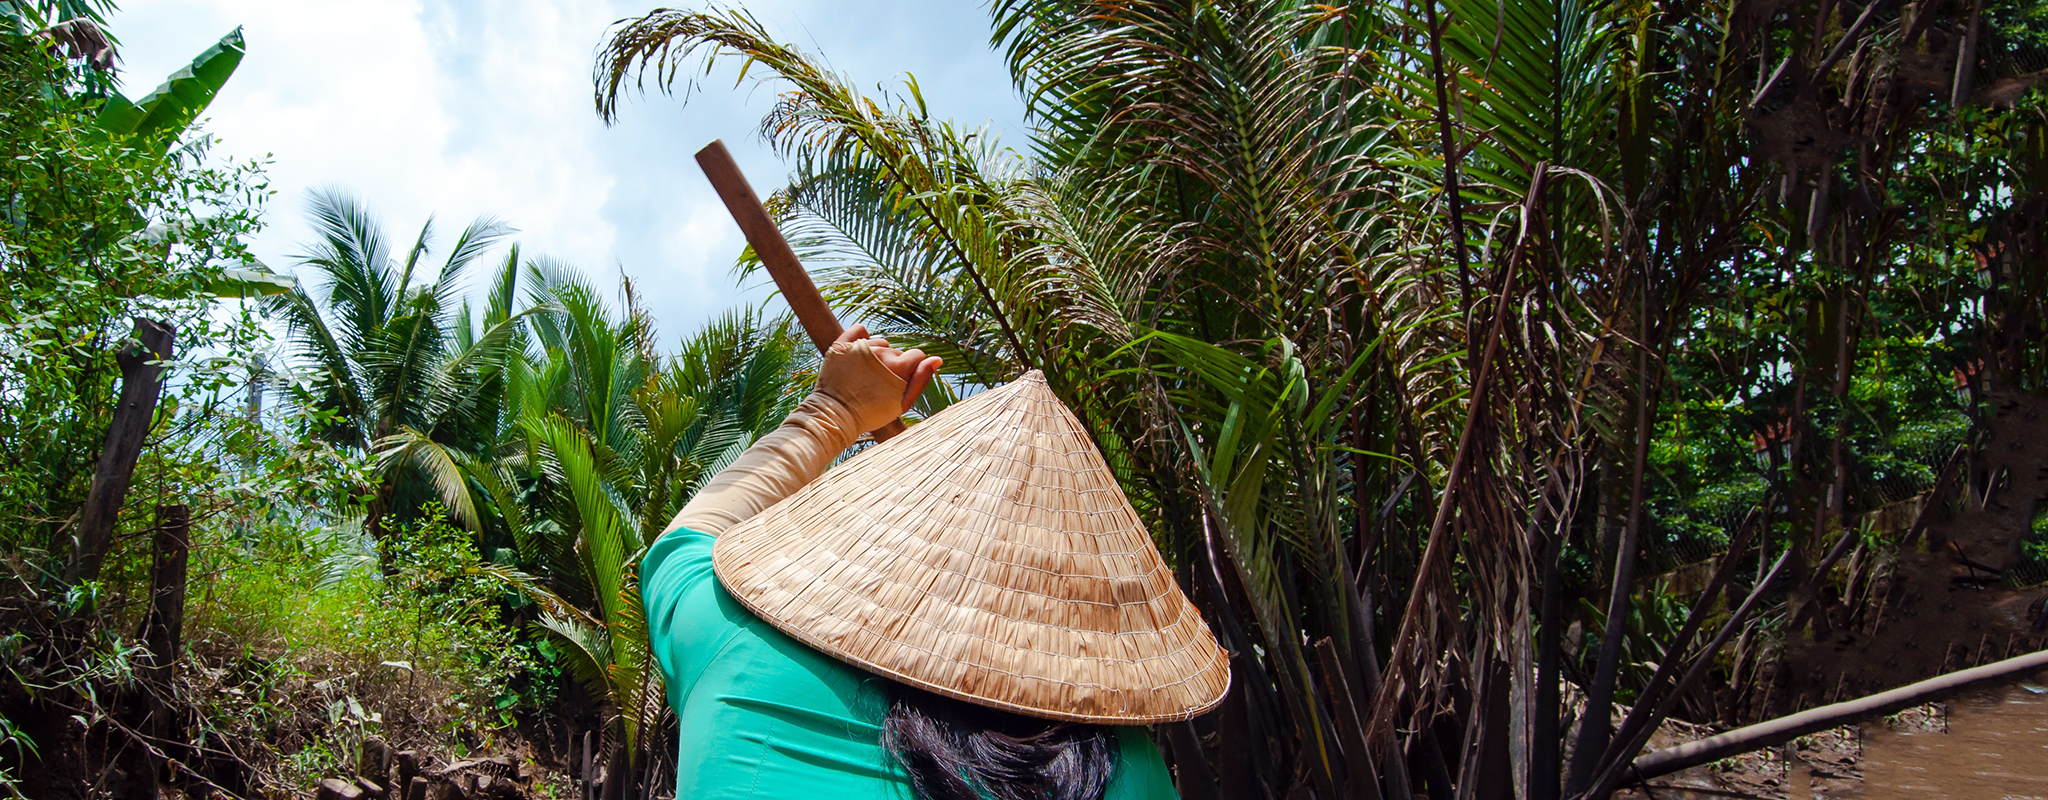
column 457, row 109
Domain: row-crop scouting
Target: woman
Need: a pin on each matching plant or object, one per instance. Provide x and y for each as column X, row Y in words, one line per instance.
column 762, row 714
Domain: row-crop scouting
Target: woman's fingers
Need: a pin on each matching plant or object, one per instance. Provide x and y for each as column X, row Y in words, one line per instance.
column 901, row 362
column 922, row 376
column 913, row 366
column 859, row 333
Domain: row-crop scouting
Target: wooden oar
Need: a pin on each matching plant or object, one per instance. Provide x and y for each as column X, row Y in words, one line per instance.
column 775, row 254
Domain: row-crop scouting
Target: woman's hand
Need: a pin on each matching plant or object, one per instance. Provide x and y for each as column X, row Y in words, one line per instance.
column 875, row 382
column 912, row 366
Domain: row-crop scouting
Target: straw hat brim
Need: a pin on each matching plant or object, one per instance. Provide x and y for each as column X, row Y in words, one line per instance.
column 986, row 555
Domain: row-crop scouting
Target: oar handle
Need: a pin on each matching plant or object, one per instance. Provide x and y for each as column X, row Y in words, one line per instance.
column 775, row 254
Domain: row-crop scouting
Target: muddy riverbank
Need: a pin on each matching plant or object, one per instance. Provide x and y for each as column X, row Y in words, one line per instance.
column 1990, row 744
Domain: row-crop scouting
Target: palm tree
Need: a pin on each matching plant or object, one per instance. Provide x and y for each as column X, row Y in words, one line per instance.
column 608, row 440
column 959, row 248
column 390, row 375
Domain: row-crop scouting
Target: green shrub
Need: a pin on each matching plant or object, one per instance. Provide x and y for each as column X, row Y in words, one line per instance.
column 314, row 649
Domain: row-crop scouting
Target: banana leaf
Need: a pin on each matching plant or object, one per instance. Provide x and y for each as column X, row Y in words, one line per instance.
column 252, row 278
column 256, row 281
column 164, row 113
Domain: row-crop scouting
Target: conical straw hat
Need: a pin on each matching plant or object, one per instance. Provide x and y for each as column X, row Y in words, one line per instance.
column 987, row 555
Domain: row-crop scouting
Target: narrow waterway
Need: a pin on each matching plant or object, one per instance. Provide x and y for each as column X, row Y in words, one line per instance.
column 1991, row 745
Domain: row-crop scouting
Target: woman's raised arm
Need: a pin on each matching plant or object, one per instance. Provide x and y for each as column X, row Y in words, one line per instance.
column 863, row 385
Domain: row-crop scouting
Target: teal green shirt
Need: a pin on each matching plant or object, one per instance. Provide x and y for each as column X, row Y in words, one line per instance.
column 761, row 715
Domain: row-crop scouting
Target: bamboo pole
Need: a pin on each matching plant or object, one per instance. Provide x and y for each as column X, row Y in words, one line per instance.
column 775, row 254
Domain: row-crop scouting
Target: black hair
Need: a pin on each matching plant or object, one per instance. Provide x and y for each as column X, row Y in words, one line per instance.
column 960, row 751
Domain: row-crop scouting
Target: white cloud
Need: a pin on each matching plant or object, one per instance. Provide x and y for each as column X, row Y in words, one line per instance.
column 462, row 109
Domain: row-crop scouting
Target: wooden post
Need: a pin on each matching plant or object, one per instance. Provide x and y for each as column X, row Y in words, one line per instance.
column 781, row 261
column 589, row 769
column 374, row 762
column 163, row 623
column 141, row 383
column 409, row 780
column 161, row 632
column 338, row 789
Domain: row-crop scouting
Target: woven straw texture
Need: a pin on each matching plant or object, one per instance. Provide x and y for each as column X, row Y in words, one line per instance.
column 988, row 555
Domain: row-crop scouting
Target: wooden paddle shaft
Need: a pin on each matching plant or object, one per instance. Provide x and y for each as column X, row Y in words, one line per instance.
column 775, row 254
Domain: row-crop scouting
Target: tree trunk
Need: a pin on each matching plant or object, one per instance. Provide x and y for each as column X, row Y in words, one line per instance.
column 374, row 523
column 1546, row 752
column 1785, row 729
column 1360, row 782
column 1192, row 776
column 1966, row 59
column 1494, row 776
column 142, row 371
column 1597, row 728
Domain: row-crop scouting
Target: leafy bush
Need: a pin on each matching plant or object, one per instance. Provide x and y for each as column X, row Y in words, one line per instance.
column 311, row 647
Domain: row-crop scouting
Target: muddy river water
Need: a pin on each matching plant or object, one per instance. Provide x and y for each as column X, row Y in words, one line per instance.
column 1995, row 747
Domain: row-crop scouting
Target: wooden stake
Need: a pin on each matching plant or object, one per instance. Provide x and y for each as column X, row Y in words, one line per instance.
column 163, row 623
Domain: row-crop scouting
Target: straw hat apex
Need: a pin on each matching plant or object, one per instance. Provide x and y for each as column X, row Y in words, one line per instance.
column 986, row 554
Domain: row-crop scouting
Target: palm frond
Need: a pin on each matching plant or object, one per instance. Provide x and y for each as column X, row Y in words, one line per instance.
column 602, row 522
column 445, row 469
column 356, row 262
column 589, row 649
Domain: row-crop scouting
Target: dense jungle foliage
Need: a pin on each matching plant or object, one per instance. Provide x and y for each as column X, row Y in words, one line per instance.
column 1503, row 379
